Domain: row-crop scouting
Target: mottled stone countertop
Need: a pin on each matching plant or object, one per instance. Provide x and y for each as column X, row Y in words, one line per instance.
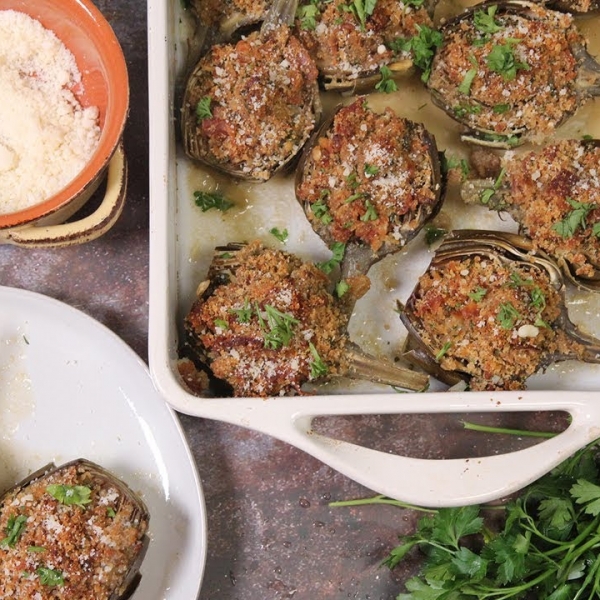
column 271, row 532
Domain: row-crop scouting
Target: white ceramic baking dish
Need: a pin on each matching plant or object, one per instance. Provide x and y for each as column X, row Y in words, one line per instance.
column 182, row 239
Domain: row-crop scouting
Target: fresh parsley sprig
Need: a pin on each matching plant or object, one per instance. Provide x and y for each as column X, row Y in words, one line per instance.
column 547, row 547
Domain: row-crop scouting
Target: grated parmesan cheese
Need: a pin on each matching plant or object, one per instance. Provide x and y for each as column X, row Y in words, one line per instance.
column 46, row 136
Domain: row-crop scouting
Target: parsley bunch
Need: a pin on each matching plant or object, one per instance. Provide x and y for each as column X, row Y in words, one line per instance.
column 547, row 548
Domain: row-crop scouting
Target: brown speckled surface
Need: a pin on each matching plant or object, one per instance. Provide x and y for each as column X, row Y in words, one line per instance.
column 271, row 533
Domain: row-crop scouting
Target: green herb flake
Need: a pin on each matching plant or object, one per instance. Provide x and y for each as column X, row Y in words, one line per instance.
column 371, row 170
column 338, row 249
column 502, row 60
column 282, row 236
column 444, row 350
column 575, row 219
column 500, row 109
column 50, row 577
column 14, row 530
column 307, row 15
column 486, row 195
column 596, row 229
column 485, row 22
column 243, row 314
column 386, row 84
column 433, row 234
column 70, row 495
column 317, row 367
column 517, row 280
column 36, row 549
column 221, row 324
column 341, row 288
column 110, row 512
column 422, row 47
column 203, row 108
column 465, row 86
column 537, row 298
column 370, row 212
column 508, row 315
column 212, row 200
column 279, row 327
column 478, row 294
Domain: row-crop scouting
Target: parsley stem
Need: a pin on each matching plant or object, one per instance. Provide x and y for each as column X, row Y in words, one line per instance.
column 380, row 499
column 508, row 431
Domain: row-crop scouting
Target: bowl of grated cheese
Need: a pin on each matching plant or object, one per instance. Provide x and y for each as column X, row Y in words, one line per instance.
column 63, row 109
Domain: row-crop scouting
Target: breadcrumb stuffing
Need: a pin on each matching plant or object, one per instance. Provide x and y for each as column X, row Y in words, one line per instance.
column 498, row 324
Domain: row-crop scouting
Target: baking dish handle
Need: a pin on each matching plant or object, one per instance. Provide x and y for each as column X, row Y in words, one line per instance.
column 457, row 482
column 423, row 482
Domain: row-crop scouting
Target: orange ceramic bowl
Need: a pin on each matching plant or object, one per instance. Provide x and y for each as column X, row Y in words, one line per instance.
column 82, row 28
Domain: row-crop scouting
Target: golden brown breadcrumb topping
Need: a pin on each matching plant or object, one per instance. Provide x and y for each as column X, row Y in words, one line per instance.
column 495, row 323
column 249, row 107
column 56, row 551
column 369, row 177
column 272, row 327
column 512, row 74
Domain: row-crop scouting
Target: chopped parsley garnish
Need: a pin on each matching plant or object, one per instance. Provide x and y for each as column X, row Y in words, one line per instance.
column 341, row 288
column 320, row 208
column 221, row 324
column 485, row 22
column 338, row 249
column 443, row 351
column 370, row 213
column 243, row 314
column 538, row 298
column 575, row 219
column 509, row 140
column 203, row 108
column 465, row 86
column 278, row 327
column 352, row 198
column 451, row 162
column 422, row 46
column 508, row 315
column 478, row 294
column 362, row 10
column 462, row 110
column 307, row 15
column 433, row 234
column 596, row 229
column 282, row 236
column 36, row 549
column 352, row 180
column 371, row 170
column 110, row 511
column 386, row 84
column 71, row 495
column 486, row 195
column 517, row 281
column 502, row 60
column 13, row 530
column 500, row 108
column 50, row 577
column 209, row 200
column 317, row 367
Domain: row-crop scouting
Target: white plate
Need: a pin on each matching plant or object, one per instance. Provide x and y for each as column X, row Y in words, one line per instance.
column 70, row 388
